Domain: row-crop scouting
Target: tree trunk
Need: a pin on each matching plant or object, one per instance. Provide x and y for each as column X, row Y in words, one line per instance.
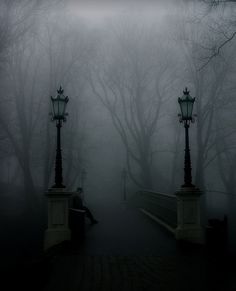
column 29, row 188
column 146, row 174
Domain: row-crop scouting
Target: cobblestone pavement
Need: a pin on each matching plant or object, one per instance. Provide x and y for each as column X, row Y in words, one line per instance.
column 125, row 251
column 128, row 251
column 134, row 273
column 113, row 273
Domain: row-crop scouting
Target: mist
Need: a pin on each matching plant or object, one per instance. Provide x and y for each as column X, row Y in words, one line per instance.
column 123, row 65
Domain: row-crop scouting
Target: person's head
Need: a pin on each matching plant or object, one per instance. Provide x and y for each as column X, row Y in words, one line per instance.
column 80, row 190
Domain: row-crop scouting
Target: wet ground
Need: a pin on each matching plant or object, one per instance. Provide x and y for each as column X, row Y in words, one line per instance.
column 128, row 251
column 123, row 230
column 124, row 251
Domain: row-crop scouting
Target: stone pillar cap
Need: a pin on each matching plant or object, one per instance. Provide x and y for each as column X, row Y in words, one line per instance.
column 58, row 191
column 188, row 191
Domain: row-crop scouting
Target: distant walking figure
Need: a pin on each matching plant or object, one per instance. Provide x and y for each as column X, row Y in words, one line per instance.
column 78, row 204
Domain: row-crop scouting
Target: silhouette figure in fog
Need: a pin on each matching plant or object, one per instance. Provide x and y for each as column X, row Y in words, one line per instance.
column 78, row 204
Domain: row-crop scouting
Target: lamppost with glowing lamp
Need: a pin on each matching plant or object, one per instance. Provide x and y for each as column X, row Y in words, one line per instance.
column 59, row 114
column 188, row 198
column 58, row 197
column 186, row 106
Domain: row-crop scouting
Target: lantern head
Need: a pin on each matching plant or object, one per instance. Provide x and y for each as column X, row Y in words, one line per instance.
column 59, row 105
column 186, row 106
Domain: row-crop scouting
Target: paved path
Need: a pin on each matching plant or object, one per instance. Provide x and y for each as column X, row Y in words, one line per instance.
column 124, row 251
column 119, row 273
column 123, row 230
column 133, row 273
column 127, row 251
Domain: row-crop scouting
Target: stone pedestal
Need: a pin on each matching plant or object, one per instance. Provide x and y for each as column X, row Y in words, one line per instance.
column 58, row 213
column 188, row 216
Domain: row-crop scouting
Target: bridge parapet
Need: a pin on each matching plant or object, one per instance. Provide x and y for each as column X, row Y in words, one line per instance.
column 161, row 205
column 179, row 213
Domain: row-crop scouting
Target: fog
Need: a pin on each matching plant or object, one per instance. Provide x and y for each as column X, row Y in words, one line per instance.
column 123, row 65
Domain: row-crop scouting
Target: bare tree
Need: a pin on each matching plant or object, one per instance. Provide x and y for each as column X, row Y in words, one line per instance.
column 132, row 82
column 17, row 19
column 67, row 52
column 25, row 119
column 208, row 84
column 222, row 28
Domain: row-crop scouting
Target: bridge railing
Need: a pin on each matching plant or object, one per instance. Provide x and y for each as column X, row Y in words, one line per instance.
column 161, row 205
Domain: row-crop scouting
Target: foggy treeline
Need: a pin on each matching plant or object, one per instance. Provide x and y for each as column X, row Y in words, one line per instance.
column 123, row 68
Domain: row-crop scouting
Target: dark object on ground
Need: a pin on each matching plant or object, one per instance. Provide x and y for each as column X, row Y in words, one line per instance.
column 94, row 221
column 89, row 215
column 77, row 223
column 216, row 236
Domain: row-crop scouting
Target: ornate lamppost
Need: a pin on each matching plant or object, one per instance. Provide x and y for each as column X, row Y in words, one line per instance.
column 58, row 197
column 186, row 106
column 188, row 198
column 59, row 114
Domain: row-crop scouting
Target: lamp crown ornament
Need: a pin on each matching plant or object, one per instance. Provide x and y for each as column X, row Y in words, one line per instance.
column 60, row 91
column 186, row 92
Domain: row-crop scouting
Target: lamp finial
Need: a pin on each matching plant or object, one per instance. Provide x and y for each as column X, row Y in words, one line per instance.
column 60, row 91
column 186, row 92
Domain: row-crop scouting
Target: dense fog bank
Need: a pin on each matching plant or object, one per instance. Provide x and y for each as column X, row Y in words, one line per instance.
column 123, row 67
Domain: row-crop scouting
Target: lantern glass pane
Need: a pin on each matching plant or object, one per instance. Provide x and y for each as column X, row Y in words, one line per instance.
column 61, row 108
column 190, row 109
column 184, row 109
column 54, row 108
column 58, row 106
column 186, row 106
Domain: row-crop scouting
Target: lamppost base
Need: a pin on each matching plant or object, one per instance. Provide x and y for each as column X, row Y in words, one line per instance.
column 188, row 186
column 58, row 217
column 58, row 186
column 188, row 215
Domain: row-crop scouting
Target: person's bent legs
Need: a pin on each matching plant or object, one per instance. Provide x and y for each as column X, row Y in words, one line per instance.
column 89, row 215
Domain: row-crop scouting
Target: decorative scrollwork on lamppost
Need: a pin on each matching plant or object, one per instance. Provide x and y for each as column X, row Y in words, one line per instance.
column 186, row 106
column 59, row 114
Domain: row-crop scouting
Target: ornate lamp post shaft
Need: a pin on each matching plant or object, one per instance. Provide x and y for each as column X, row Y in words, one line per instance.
column 187, row 160
column 58, row 164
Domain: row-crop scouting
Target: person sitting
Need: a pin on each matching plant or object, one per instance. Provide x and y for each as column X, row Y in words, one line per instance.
column 78, row 204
